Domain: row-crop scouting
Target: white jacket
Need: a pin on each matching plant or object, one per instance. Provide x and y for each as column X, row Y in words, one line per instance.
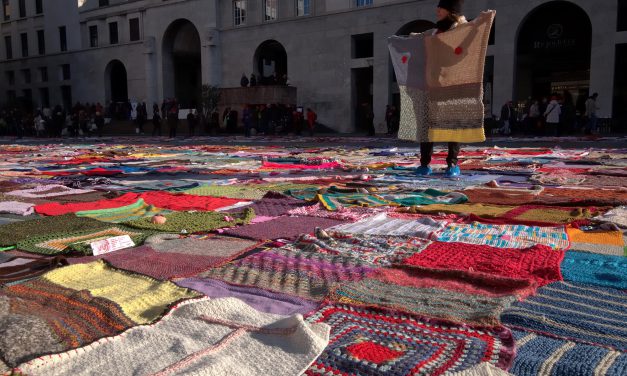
column 553, row 112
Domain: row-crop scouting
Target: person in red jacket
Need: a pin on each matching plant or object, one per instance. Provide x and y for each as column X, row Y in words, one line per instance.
column 311, row 120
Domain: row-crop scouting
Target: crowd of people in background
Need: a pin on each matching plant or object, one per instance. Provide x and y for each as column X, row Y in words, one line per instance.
column 557, row 115
column 278, row 79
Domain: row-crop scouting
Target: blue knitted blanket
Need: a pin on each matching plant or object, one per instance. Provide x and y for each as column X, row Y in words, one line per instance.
column 576, row 312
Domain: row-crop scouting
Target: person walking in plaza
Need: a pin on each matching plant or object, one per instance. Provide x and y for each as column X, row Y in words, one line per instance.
column 449, row 14
column 173, row 117
column 508, row 118
column 156, row 120
column 591, row 114
column 552, row 116
column 192, row 121
column 99, row 121
column 311, row 121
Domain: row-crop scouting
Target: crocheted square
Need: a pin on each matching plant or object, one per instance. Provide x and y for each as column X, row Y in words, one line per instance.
column 369, row 341
column 574, row 312
column 601, row 241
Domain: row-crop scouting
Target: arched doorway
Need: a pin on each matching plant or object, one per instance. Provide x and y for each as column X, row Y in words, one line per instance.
column 553, row 52
column 182, row 76
column 116, row 82
column 416, row 26
column 270, row 62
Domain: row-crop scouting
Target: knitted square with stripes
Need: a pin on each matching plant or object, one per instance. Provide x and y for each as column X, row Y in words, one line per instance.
column 600, row 241
column 574, row 312
column 137, row 210
column 542, row 355
column 309, row 275
column 11, row 234
column 539, row 264
column 371, row 341
column 213, row 245
column 40, row 317
column 274, row 204
column 66, row 242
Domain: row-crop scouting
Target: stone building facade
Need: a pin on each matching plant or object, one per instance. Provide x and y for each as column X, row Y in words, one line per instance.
column 333, row 51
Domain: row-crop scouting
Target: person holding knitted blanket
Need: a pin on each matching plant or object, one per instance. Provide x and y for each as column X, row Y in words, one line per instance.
column 449, row 14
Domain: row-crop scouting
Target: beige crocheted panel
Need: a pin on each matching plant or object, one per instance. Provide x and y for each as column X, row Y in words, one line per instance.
column 450, row 106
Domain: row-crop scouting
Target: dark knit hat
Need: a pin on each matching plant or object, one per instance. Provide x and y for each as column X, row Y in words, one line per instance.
column 453, row 6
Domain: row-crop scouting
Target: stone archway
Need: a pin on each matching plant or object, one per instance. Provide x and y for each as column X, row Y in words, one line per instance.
column 553, row 52
column 116, row 82
column 182, row 68
column 270, row 61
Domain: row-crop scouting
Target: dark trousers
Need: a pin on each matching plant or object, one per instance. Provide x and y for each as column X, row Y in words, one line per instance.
column 173, row 123
column 426, row 152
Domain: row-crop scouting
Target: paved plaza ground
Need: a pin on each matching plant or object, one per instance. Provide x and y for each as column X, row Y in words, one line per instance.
column 315, row 255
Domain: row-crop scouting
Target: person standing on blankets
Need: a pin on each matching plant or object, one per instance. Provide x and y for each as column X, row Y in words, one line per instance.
column 449, row 14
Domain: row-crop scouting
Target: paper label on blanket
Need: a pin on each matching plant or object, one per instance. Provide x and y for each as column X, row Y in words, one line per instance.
column 115, row 243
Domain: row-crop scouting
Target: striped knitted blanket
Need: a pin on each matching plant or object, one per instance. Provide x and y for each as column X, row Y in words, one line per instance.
column 541, row 355
column 65, row 242
column 600, row 241
column 505, row 236
column 370, row 341
column 441, row 82
column 200, row 337
column 75, row 305
column 309, row 275
column 574, row 312
column 232, row 191
column 137, row 210
column 594, row 269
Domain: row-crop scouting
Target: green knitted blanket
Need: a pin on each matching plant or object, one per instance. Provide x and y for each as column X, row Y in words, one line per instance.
column 231, row 191
column 189, row 222
column 137, row 210
column 12, row 233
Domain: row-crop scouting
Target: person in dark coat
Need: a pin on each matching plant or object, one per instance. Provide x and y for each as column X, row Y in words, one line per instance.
column 449, row 13
column 253, row 80
column 192, row 121
column 156, row 120
column 99, row 121
column 244, row 81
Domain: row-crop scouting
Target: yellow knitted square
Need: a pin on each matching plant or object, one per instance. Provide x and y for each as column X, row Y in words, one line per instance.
column 596, row 237
column 143, row 299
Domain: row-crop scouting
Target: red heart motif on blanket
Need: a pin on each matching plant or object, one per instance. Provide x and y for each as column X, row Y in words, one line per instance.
column 459, row 50
column 404, row 59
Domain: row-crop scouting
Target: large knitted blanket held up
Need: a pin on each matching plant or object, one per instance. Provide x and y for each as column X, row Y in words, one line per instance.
column 441, row 82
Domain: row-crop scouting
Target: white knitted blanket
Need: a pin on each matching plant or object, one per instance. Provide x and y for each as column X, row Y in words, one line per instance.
column 198, row 337
column 16, row 207
column 382, row 224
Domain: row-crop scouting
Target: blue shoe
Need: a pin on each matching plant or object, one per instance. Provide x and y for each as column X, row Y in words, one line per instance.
column 424, row 171
column 452, row 172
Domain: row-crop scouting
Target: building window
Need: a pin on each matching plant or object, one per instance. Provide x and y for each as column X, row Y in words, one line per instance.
column 41, row 42
column 28, row 95
column 66, row 96
column 22, row 6
column 43, row 74
column 39, row 6
column 303, row 7
column 93, row 36
column 62, row 38
column 6, row 10
column 24, row 40
column 26, row 76
column 44, row 97
column 133, row 27
column 270, row 10
column 11, row 96
column 622, row 15
column 8, row 47
column 103, row 3
column 362, row 46
column 363, row 3
column 10, row 78
column 65, row 72
column 239, row 12
column 113, row 33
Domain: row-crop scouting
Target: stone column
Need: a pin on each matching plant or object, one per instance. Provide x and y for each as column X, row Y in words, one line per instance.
column 150, row 62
